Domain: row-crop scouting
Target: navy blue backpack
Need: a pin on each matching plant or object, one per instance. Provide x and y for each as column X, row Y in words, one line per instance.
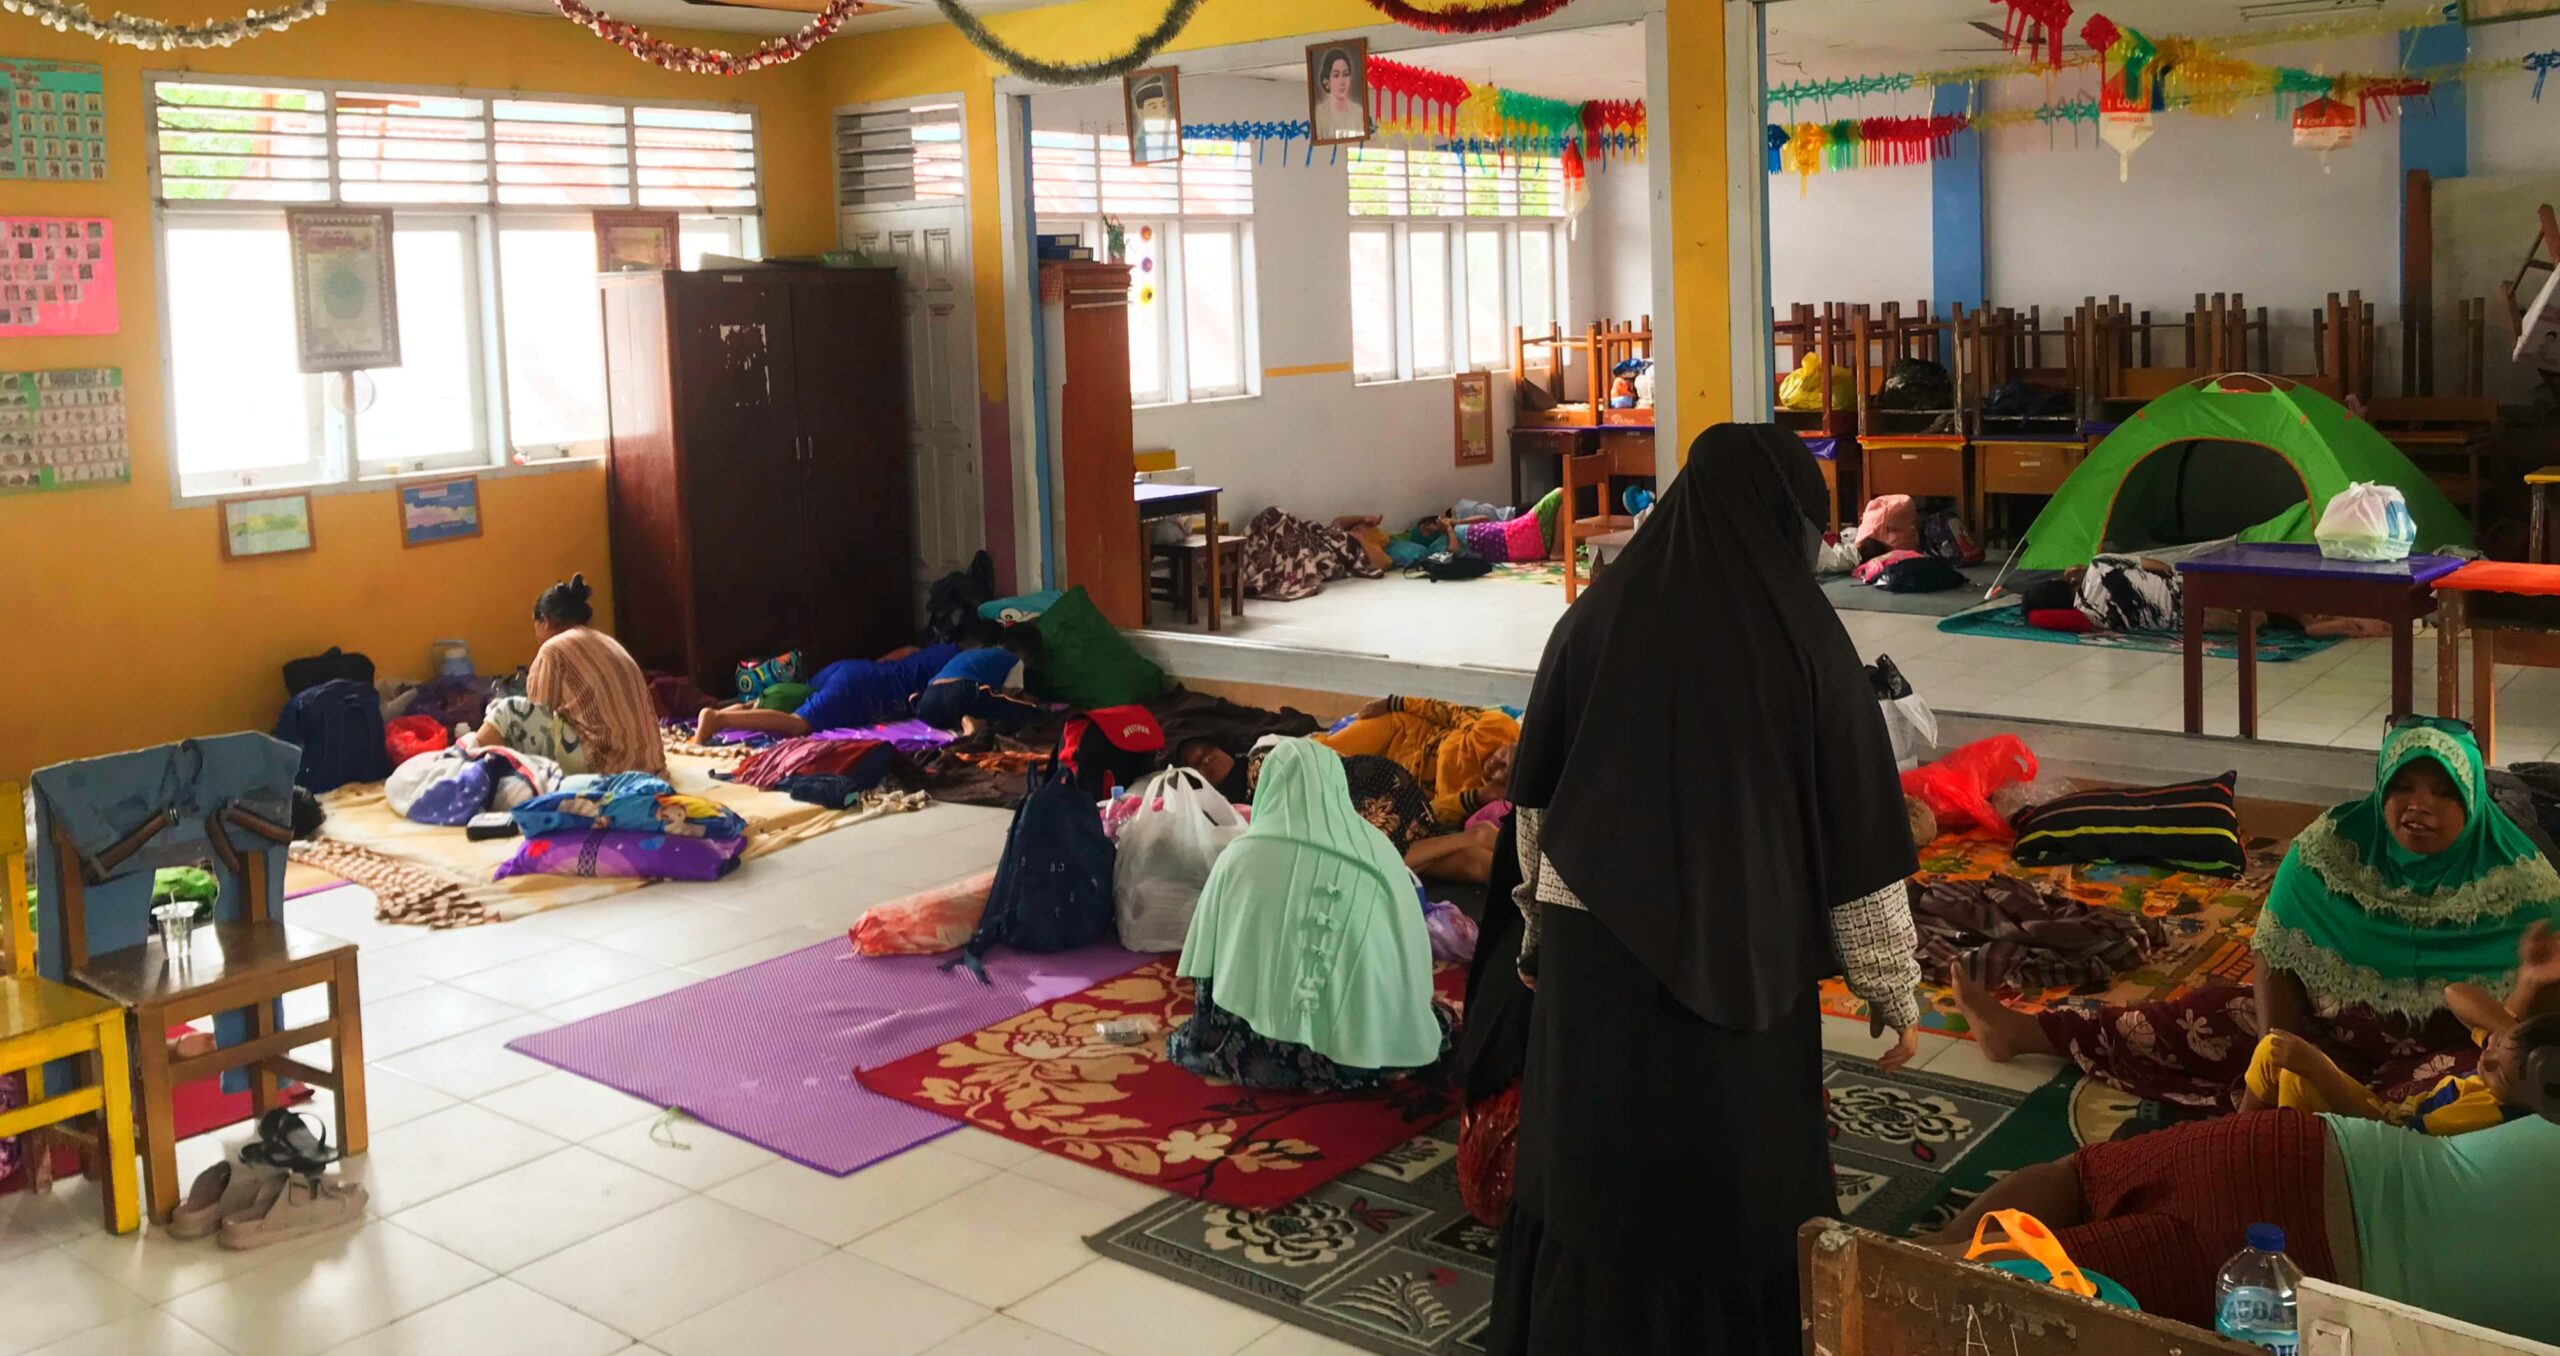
column 1052, row 890
column 338, row 727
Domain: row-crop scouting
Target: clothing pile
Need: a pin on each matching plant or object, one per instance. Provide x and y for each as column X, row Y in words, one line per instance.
column 2010, row 933
column 862, row 761
column 626, row 824
column 450, row 785
column 1287, row 558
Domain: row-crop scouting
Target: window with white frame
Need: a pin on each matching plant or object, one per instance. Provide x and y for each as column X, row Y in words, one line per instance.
column 494, row 257
column 1449, row 252
column 1189, row 229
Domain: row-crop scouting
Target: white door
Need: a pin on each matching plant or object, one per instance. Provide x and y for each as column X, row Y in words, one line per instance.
column 929, row 246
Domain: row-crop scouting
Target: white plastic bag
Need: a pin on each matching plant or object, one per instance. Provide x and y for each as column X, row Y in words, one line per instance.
column 1913, row 726
column 1167, row 846
column 2367, row 522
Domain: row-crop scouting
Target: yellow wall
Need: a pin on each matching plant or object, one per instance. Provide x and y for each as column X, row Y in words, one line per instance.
column 120, row 625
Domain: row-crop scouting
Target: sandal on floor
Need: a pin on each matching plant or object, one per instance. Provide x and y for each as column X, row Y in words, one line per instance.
column 219, row 1192
column 289, row 1140
column 302, row 1205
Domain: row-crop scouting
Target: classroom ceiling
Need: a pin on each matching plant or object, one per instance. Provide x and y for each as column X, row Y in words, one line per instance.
column 1827, row 38
column 763, row 19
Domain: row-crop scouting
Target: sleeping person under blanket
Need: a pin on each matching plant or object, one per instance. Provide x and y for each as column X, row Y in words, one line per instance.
column 2144, row 593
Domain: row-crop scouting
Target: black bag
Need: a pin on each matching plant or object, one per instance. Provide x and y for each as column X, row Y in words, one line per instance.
column 955, row 598
column 1920, row 574
column 1886, row 678
column 310, row 671
column 1449, row 565
column 1916, row 384
column 1053, row 884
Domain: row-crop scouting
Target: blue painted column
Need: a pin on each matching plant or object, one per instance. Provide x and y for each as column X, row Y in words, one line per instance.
column 1956, row 250
column 2438, row 142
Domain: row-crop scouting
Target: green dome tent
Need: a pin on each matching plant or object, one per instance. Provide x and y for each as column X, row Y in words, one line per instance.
column 2237, row 455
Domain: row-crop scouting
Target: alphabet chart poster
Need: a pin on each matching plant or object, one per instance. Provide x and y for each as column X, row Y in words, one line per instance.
column 57, row 276
column 62, row 429
column 57, row 120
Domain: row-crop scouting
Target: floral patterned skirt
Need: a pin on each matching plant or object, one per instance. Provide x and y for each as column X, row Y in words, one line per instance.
column 2193, row 1050
column 1216, row 1043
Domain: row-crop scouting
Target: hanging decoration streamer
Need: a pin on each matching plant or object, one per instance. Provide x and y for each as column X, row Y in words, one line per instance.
column 1262, row 134
column 1445, row 113
column 156, row 35
column 1613, row 127
column 2026, row 17
column 690, row 60
column 1488, row 18
column 2540, row 63
column 1402, row 96
column 1177, row 14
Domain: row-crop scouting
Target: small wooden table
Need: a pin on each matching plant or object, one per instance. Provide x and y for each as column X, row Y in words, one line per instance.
column 2538, row 486
column 1552, row 441
column 1156, row 501
column 2297, row 580
column 2507, row 623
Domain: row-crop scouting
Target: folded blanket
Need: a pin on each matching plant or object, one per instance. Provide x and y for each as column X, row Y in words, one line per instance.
column 2013, row 933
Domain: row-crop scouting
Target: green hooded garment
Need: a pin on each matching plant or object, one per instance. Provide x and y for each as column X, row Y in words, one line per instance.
column 1308, row 929
column 2361, row 919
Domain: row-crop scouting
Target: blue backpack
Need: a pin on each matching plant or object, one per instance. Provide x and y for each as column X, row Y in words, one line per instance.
column 338, row 727
column 1052, row 890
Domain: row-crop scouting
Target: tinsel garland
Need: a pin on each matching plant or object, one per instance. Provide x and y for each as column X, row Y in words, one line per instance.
column 1487, row 18
column 155, row 35
column 690, row 60
column 1259, row 133
column 1613, row 125
column 1177, row 14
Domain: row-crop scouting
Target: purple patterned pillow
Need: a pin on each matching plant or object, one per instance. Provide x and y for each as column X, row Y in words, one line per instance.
column 618, row 853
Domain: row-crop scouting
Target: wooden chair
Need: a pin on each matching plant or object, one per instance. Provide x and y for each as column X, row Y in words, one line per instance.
column 1187, row 573
column 1593, row 471
column 40, row 1022
column 2449, row 437
column 1921, row 453
column 248, row 963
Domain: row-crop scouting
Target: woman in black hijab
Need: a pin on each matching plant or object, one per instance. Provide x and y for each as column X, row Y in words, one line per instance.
column 1708, row 824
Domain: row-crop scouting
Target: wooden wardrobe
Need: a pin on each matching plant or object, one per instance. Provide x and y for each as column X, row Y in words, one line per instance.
column 758, row 490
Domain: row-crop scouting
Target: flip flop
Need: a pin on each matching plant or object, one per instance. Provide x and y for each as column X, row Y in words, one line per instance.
column 290, row 1140
column 219, row 1193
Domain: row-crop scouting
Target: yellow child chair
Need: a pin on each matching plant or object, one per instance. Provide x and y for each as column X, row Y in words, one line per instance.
column 41, row 1021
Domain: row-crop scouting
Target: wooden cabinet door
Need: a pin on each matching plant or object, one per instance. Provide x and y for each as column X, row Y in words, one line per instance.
column 737, row 409
column 848, row 344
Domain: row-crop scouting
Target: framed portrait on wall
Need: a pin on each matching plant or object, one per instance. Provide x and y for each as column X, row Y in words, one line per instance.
column 1153, row 98
column 346, row 312
column 1338, row 91
column 635, row 242
column 265, row 525
column 1471, row 395
column 2503, row 11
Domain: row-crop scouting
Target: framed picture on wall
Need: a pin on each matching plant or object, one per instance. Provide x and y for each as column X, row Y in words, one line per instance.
column 635, row 242
column 1471, row 394
column 346, row 309
column 439, row 510
column 265, row 525
column 1153, row 98
column 1338, row 91
column 2502, row 11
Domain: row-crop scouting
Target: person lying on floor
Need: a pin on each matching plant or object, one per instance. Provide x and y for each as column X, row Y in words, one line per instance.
column 845, row 695
column 2144, row 593
column 2441, row 1223
column 1311, row 959
column 1393, row 801
column 981, row 688
column 586, row 704
column 1460, row 754
column 2290, row 1071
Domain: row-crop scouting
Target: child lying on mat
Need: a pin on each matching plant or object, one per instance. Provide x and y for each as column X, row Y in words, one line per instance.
column 982, row 685
column 2290, row 1071
column 845, row 695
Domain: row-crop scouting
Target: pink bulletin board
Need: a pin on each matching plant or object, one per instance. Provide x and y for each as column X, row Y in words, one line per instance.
column 57, row 276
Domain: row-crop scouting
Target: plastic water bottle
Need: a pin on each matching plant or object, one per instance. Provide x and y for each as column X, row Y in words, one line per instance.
column 2253, row 1297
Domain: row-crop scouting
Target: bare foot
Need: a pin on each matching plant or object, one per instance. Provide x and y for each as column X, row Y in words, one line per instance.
column 706, row 725
column 2003, row 1032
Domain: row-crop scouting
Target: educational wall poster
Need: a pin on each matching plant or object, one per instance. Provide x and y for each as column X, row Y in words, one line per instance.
column 57, row 276
column 57, row 120
column 266, row 525
column 636, row 241
column 62, row 429
column 345, row 304
column 439, row 510
column 1472, row 394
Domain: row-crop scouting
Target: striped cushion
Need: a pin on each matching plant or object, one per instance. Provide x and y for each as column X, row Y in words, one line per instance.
column 2193, row 826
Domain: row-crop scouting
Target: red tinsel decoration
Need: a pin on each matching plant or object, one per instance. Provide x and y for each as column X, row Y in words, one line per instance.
column 2100, row 33
column 1416, row 92
column 1479, row 19
column 689, row 60
column 2054, row 16
column 1909, row 141
column 1600, row 117
column 2375, row 102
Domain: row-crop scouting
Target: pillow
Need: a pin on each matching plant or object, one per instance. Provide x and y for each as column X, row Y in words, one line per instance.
column 2193, row 826
column 1022, row 607
column 616, row 853
column 1084, row 662
column 784, row 697
column 755, row 675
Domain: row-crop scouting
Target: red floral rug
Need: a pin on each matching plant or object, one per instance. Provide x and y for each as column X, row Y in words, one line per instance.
column 1046, row 1080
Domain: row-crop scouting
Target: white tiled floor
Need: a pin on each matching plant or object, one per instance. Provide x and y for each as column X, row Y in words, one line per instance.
column 2337, row 697
column 522, row 1211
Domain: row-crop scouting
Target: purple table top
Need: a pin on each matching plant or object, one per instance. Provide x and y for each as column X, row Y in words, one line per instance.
column 2295, row 560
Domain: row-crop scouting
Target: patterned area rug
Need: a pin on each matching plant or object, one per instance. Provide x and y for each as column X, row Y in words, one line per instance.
column 1045, row 1079
column 2008, row 621
column 2209, row 920
column 1387, row 1259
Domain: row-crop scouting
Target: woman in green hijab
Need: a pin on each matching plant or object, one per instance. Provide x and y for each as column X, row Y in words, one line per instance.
column 2381, row 903
column 1311, row 937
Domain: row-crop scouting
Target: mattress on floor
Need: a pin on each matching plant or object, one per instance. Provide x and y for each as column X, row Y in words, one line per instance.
column 359, row 815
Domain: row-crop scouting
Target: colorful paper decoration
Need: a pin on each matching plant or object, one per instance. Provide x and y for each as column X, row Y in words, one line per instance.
column 156, row 35
column 689, row 60
column 1577, row 183
column 1469, row 18
column 1401, row 94
column 2324, row 125
column 2124, row 128
column 1177, row 15
column 2053, row 16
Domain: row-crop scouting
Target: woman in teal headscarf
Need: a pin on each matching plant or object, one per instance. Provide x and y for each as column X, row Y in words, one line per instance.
column 1312, row 965
column 2381, row 903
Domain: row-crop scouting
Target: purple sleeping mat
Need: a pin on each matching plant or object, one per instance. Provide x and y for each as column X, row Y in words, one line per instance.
column 768, row 1053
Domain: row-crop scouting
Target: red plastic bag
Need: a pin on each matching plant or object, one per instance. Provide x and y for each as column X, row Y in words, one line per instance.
column 940, row 919
column 1957, row 788
column 1488, row 1138
column 405, row 737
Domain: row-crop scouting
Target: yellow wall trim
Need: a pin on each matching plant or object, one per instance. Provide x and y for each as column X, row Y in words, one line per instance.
column 1306, row 370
